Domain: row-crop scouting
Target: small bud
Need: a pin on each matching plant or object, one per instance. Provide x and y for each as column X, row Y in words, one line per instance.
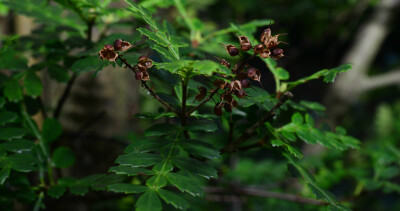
column 108, row 53
column 245, row 83
column 258, row 48
column 228, row 98
column 231, row 49
column 218, row 109
column 251, row 71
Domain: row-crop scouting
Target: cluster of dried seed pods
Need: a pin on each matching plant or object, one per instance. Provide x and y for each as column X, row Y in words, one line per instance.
column 235, row 85
column 109, row 52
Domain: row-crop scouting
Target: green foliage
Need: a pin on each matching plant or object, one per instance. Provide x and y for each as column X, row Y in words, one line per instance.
column 188, row 146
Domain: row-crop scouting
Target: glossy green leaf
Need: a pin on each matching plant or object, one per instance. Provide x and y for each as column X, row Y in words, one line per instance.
column 130, row 171
column 22, row 162
column 7, row 117
column 173, row 199
column 79, row 189
column 127, row 188
column 156, row 181
column 276, row 143
column 297, row 118
column 63, row 157
column 282, row 73
column 149, row 201
column 51, row 130
column 56, row 191
column 332, row 73
column 160, row 130
column 91, row 63
column 12, row 90
column 11, row 133
column 313, row 105
column 58, row 73
column 19, row 145
column 138, row 159
column 147, row 145
column 4, row 173
column 185, row 184
column 33, row 84
column 200, row 149
column 304, row 133
column 206, row 126
column 196, row 167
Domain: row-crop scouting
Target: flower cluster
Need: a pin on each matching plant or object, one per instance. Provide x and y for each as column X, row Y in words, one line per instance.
column 109, row 53
column 235, row 85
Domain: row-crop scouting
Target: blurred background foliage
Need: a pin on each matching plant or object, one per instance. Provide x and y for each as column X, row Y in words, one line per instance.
column 319, row 34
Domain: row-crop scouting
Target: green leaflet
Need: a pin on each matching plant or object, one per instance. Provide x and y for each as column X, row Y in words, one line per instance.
column 185, row 184
column 127, row 188
column 190, row 68
column 11, row 133
column 51, row 130
column 200, row 149
column 172, row 198
column 149, row 201
column 138, row 159
column 166, row 44
column 130, row 171
column 194, row 166
column 319, row 192
column 7, row 117
column 63, row 157
column 32, row 84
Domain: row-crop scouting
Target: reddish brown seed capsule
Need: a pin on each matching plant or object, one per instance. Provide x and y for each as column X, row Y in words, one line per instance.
column 145, row 63
column 228, row 107
column 234, row 103
column 231, row 49
column 245, row 83
column 251, row 71
column 146, row 76
column 240, row 94
column 218, row 109
column 277, row 53
column 265, row 53
column 258, row 48
column 245, row 44
column 139, row 75
column 235, row 85
column 121, row 45
column 256, row 76
column 265, row 35
column 220, row 83
column 108, row 53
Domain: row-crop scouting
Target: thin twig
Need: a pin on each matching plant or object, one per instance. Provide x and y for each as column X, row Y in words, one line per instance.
column 202, row 103
column 64, row 96
column 267, row 194
column 249, row 132
column 148, row 88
